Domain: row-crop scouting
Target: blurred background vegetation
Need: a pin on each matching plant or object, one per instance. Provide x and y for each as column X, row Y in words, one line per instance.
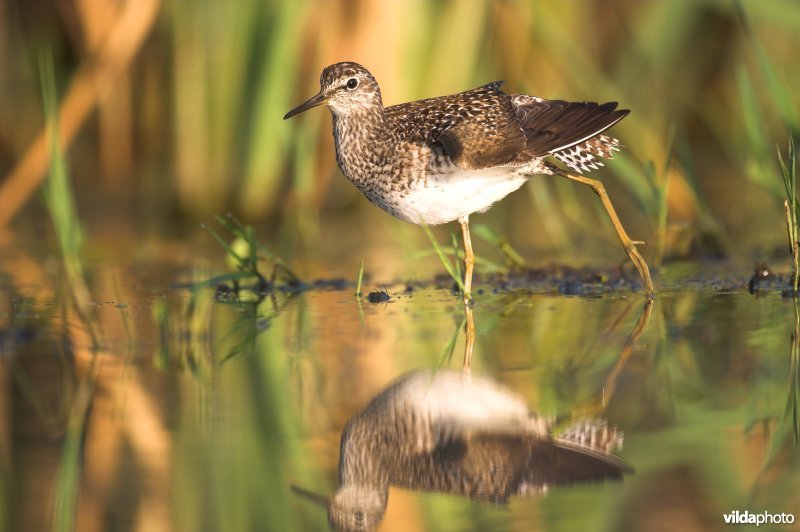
column 172, row 112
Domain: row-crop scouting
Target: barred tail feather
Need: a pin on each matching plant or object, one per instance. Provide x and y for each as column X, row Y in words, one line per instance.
column 585, row 157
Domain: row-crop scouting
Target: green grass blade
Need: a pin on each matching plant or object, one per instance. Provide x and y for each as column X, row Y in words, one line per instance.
column 500, row 243
column 60, row 200
column 241, row 261
column 360, row 278
column 788, row 171
column 455, row 254
column 67, row 484
column 443, row 258
column 244, row 235
column 447, row 352
column 484, row 263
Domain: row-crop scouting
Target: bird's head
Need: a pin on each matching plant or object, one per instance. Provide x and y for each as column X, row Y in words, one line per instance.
column 353, row 507
column 357, row 508
column 345, row 88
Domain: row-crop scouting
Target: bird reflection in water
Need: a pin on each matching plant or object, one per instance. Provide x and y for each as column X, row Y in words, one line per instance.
column 449, row 432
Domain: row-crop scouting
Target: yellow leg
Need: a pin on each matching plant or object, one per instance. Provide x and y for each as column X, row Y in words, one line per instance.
column 627, row 349
column 469, row 258
column 469, row 339
column 627, row 243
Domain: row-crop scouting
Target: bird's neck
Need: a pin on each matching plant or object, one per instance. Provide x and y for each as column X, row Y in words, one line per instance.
column 364, row 142
column 361, row 461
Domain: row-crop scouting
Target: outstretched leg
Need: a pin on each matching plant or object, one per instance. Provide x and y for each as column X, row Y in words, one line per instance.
column 469, row 258
column 627, row 243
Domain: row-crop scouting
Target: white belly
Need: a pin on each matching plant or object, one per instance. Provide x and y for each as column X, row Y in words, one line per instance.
column 448, row 197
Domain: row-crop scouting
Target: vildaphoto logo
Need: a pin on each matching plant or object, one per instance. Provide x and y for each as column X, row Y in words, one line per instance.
column 763, row 518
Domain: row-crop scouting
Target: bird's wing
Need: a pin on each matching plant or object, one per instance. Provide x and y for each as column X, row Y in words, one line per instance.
column 476, row 128
column 474, row 144
column 485, row 127
column 554, row 125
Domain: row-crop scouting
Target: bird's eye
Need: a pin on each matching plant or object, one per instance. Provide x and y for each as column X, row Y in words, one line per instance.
column 359, row 515
column 352, row 83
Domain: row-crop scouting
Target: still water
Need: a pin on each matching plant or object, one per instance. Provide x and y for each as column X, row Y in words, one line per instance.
column 150, row 406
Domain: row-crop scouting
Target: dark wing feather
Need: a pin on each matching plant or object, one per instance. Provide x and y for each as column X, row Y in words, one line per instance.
column 491, row 466
column 473, row 144
column 561, row 463
column 554, row 125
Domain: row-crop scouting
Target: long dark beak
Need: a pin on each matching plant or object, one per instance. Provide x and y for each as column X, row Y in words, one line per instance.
column 319, row 99
column 317, row 498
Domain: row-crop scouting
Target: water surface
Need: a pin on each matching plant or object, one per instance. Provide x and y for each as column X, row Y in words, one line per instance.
column 157, row 407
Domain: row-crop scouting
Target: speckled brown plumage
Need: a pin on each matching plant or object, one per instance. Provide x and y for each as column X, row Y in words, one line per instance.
column 485, row 127
column 409, row 159
column 442, row 159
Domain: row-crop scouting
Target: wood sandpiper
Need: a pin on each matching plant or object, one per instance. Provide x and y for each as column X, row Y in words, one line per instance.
column 437, row 160
column 447, row 432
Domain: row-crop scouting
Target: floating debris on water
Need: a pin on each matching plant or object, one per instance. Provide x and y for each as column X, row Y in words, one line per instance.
column 378, row 296
column 761, row 274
